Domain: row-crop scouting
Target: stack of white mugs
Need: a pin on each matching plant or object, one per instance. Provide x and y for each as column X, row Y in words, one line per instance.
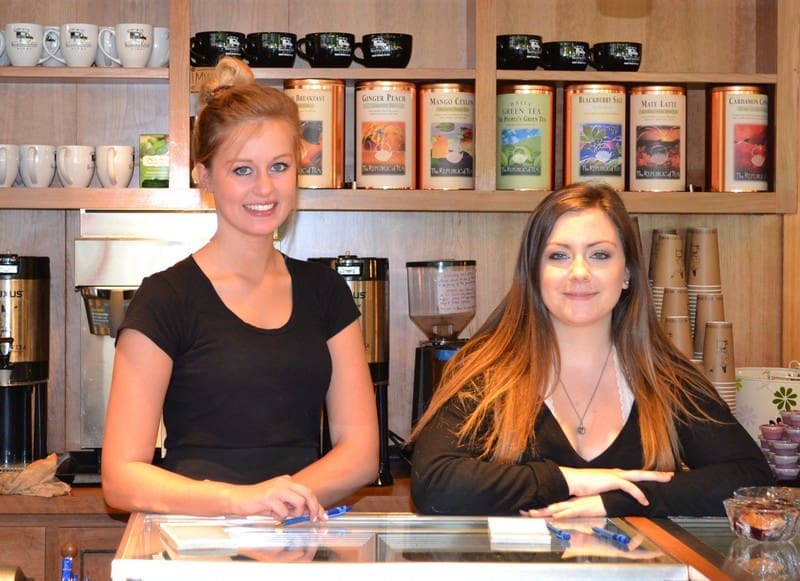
column 26, row 44
column 37, row 165
column 686, row 287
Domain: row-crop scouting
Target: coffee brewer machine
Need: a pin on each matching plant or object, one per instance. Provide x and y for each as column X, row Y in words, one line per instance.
column 368, row 279
column 24, row 358
column 441, row 301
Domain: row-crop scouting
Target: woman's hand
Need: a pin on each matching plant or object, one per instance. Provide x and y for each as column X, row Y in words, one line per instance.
column 279, row 498
column 593, row 481
column 583, row 506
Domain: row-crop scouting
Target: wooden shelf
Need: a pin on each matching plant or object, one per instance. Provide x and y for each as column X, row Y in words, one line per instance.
column 592, row 76
column 374, row 200
column 82, row 74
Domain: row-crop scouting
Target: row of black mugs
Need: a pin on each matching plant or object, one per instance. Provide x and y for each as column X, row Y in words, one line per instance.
column 527, row 51
column 320, row 49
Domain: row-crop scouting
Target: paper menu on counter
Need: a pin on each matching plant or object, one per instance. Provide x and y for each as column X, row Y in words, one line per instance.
column 518, row 529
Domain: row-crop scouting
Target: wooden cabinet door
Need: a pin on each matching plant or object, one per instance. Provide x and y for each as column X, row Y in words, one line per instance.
column 24, row 547
column 94, row 550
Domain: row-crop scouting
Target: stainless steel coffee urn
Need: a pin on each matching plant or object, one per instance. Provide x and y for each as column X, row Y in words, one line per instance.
column 368, row 279
column 24, row 358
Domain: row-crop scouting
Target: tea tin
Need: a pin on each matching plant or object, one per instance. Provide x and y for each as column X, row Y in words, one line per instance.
column 594, row 134
column 446, row 123
column 320, row 103
column 657, row 118
column 739, row 138
column 385, row 125
column 525, row 137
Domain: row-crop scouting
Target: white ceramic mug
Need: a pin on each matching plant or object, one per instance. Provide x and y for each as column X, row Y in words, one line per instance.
column 75, row 165
column 37, row 165
column 159, row 56
column 78, row 43
column 114, row 165
column 4, row 62
column 25, row 44
column 52, row 46
column 134, row 43
column 109, row 47
column 9, row 164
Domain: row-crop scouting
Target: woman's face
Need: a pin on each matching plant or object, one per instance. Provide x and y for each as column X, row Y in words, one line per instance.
column 583, row 269
column 254, row 178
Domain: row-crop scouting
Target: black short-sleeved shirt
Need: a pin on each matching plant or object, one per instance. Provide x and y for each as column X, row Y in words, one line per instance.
column 243, row 403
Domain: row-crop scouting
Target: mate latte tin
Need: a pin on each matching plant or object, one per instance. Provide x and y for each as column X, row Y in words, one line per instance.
column 320, row 103
column 594, row 134
column 739, row 139
column 446, row 124
column 385, row 125
column 657, row 118
column 525, row 137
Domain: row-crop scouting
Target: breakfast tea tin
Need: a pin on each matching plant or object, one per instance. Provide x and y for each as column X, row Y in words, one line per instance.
column 594, row 134
column 525, row 137
column 385, row 134
column 739, row 137
column 657, row 117
column 446, row 122
column 321, row 106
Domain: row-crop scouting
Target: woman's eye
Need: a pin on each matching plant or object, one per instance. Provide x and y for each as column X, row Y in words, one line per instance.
column 279, row 167
column 601, row 255
column 557, row 256
column 242, row 171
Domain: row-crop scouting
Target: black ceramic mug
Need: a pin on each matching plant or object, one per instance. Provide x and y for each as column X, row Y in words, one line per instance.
column 384, row 49
column 616, row 56
column 327, row 49
column 270, row 49
column 207, row 47
column 565, row 55
column 519, row 51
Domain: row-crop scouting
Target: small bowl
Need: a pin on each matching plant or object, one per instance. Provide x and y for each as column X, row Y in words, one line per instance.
column 785, row 461
column 762, row 520
column 784, row 447
column 771, row 431
column 794, row 418
column 565, row 55
column 616, row 56
column 786, row 472
column 792, row 433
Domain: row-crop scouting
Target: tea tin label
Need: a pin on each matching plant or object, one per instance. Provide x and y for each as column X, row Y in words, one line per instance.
column 739, row 139
column 658, row 139
column 525, row 138
column 385, row 134
column 321, row 108
column 446, row 127
column 595, row 134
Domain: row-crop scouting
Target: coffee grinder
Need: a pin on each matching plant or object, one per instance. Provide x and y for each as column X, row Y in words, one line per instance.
column 441, row 301
column 368, row 279
column 24, row 359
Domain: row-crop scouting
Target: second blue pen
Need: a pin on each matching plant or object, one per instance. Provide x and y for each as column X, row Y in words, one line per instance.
column 333, row 512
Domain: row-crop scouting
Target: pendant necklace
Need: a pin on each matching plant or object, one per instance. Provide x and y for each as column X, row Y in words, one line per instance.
column 581, row 428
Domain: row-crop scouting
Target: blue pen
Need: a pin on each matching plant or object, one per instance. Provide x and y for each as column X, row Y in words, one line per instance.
column 333, row 512
column 616, row 537
column 557, row 532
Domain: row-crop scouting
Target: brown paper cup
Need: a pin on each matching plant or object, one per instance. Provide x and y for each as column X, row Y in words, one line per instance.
column 710, row 307
column 675, row 303
column 679, row 330
column 657, row 232
column 718, row 360
column 669, row 268
column 702, row 257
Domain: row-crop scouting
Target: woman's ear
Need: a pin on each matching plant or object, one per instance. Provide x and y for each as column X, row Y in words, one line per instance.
column 200, row 173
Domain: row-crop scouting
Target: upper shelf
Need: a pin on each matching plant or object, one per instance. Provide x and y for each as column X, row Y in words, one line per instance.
column 191, row 199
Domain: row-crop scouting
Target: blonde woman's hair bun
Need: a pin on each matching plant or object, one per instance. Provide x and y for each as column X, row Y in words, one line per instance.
column 229, row 72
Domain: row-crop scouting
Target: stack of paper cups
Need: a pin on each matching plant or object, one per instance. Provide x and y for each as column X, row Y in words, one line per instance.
column 702, row 267
column 709, row 307
column 678, row 330
column 718, row 360
column 668, row 267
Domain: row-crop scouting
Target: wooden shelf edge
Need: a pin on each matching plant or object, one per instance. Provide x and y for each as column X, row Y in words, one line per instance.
column 373, row 200
column 83, row 74
column 638, row 77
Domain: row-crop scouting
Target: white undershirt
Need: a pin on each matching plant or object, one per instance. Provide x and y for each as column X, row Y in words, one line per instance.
column 625, row 392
